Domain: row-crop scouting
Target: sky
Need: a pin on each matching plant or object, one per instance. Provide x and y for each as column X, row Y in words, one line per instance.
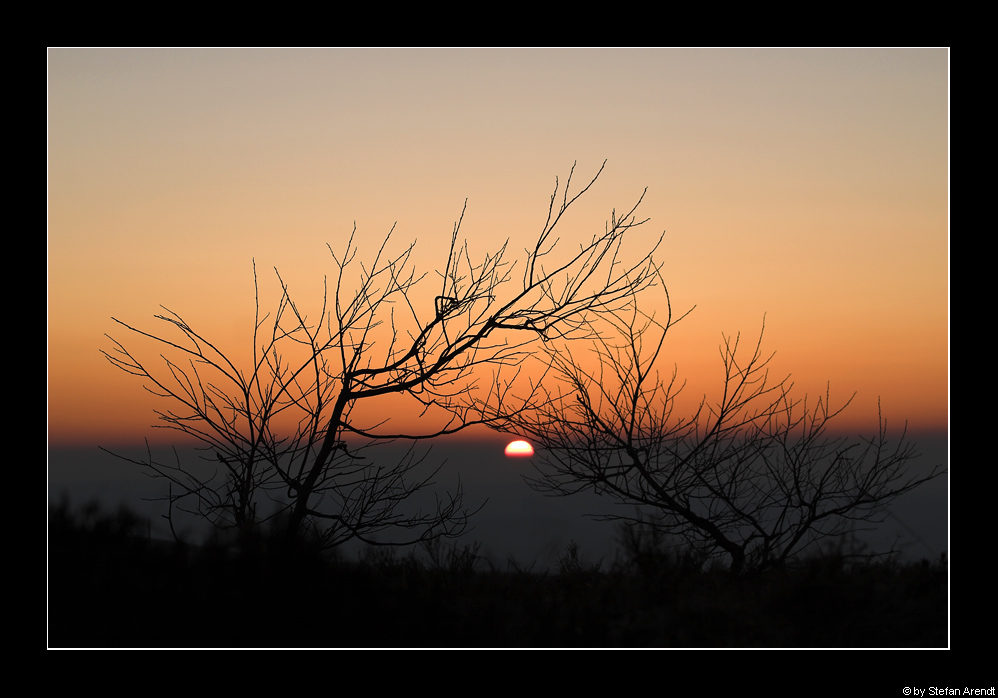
column 809, row 187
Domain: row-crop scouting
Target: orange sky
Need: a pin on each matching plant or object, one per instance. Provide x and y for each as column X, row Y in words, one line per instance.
column 807, row 185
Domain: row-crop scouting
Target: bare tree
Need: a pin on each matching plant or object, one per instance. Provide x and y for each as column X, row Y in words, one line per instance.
column 284, row 425
column 756, row 475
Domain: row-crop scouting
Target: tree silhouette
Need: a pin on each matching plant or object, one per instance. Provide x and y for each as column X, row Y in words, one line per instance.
column 756, row 475
column 284, row 426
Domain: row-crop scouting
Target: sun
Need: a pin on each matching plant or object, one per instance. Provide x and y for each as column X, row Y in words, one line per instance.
column 519, row 449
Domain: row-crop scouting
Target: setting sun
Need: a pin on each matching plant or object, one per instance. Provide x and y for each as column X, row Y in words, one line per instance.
column 519, row 449
column 309, row 290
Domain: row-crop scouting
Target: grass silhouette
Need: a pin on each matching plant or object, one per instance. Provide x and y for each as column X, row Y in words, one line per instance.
column 110, row 585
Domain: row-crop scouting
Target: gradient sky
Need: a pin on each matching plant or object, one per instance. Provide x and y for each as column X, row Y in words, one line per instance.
column 807, row 185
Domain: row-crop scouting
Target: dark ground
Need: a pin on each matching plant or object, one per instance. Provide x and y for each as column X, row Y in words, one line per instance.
column 111, row 586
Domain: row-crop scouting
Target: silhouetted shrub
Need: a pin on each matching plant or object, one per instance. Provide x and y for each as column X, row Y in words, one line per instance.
column 110, row 585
